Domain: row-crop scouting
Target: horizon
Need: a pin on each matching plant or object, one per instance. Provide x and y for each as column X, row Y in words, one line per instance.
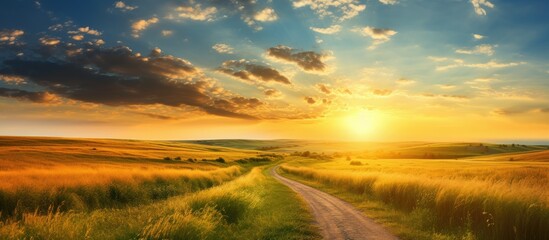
column 378, row 71
column 539, row 142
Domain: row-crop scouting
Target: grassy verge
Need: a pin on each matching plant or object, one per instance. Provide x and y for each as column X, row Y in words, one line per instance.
column 251, row 207
column 85, row 189
column 434, row 210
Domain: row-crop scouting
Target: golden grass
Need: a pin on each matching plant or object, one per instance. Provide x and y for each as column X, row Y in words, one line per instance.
column 86, row 174
column 207, row 214
column 492, row 200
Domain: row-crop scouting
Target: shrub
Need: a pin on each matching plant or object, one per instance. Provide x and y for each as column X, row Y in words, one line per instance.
column 220, row 160
column 356, row 163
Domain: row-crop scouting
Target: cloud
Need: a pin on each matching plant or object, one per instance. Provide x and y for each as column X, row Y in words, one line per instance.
column 455, row 63
column 37, row 97
column 142, row 24
column 223, row 48
column 379, row 35
column 78, row 37
column 49, row 41
column 329, row 30
column 266, row 15
column 307, row 60
column 89, row 31
column 156, row 116
column 118, row 77
column 248, row 71
column 337, row 9
column 486, row 49
column 193, row 11
column 166, row 33
column 405, row 81
column 478, row 6
column 323, row 88
column 446, row 86
column 10, row 37
column 446, row 96
column 251, row 12
column 382, row 92
column 478, row 36
column 12, row 79
column 388, row 2
column 272, row 93
column 310, row 100
column 124, row 7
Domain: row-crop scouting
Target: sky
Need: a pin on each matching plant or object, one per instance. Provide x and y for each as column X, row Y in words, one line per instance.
column 353, row 70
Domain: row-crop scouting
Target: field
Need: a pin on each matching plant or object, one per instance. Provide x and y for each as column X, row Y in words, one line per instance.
column 60, row 188
column 500, row 196
column 54, row 188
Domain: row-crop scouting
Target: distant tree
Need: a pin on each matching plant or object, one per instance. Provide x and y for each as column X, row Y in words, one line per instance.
column 220, row 159
column 167, row 158
column 177, row 158
column 306, row 154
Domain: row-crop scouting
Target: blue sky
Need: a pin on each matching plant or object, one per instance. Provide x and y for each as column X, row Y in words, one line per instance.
column 270, row 61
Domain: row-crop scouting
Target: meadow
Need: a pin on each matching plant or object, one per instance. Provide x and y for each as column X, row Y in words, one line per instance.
column 63, row 188
column 501, row 196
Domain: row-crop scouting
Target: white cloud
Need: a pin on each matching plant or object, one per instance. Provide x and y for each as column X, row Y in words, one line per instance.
column 124, row 7
column 167, row 33
column 266, row 15
column 478, row 36
column 329, row 30
column 193, row 11
column 478, row 6
column 339, row 9
column 142, row 24
column 223, row 48
column 388, row 2
column 488, row 65
column 485, row 49
column 446, row 86
column 379, row 35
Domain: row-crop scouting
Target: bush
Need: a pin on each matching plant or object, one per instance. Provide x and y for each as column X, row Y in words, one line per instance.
column 220, row 160
column 356, row 163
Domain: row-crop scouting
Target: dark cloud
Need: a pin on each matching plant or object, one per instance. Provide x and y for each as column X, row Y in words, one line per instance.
column 238, row 103
column 117, row 77
column 248, row 71
column 308, row 60
column 324, row 88
column 156, row 116
column 309, row 100
column 37, row 97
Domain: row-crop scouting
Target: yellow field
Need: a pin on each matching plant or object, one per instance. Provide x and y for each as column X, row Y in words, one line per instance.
column 483, row 197
column 86, row 174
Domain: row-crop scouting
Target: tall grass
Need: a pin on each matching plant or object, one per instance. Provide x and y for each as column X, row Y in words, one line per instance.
column 84, row 189
column 202, row 215
column 489, row 208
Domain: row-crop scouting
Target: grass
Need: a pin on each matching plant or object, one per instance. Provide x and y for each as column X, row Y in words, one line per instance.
column 58, row 188
column 246, row 208
column 444, row 198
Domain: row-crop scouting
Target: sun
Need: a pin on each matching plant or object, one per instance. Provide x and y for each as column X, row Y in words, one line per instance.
column 361, row 124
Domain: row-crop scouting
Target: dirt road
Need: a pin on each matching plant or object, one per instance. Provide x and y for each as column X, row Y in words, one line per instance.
column 336, row 218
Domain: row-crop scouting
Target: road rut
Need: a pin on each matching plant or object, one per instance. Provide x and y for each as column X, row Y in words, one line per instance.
column 337, row 219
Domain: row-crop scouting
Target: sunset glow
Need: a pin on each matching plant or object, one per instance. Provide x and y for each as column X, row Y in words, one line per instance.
column 356, row 70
